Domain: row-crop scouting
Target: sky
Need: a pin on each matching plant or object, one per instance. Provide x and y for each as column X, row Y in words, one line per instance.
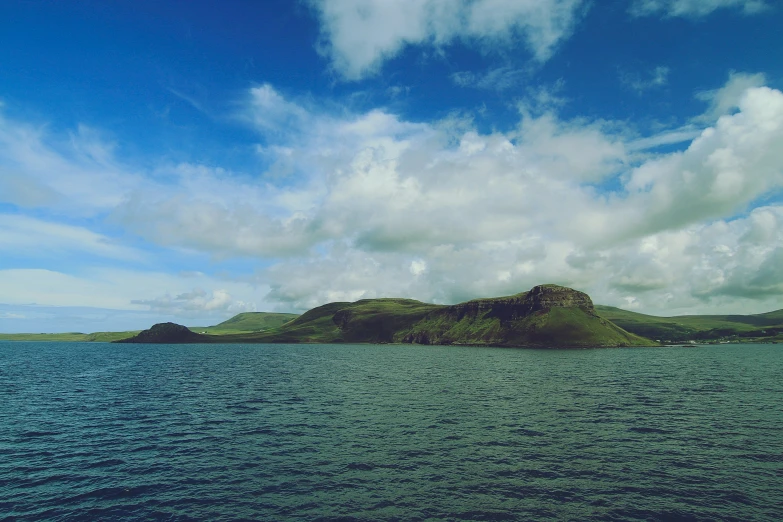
column 190, row 160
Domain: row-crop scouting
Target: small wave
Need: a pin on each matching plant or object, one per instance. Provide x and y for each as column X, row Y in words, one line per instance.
column 361, row 466
column 106, row 463
column 648, row 430
column 32, row 434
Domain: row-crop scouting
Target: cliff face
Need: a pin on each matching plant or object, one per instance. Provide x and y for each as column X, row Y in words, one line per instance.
column 547, row 315
column 539, row 299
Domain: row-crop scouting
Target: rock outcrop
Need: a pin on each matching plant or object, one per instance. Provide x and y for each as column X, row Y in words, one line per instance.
column 540, row 298
column 546, row 315
column 166, row 333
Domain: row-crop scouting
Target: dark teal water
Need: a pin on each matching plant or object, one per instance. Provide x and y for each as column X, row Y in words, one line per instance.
column 259, row 432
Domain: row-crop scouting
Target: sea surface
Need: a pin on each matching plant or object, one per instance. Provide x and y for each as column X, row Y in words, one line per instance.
column 93, row 431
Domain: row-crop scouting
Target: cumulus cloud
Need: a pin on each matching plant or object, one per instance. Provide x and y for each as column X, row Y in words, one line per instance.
column 359, row 35
column 694, row 8
column 726, row 99
column 273, row 113
column 497, row 213
column 723, row 170
column 196, row 301
column 381, row 206
column 716, row 262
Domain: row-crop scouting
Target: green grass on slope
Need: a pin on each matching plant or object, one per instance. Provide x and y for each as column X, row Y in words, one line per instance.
column 101, row 337
column 368, row 320
column 313, row 326
column 776, row 316
column 255, row 321
column 407, row 320
column 377, row 320
column 444, row 328
column 575, row 327
column 247, row 322
column 107, row 337
column 555, row 327
column 694, row 327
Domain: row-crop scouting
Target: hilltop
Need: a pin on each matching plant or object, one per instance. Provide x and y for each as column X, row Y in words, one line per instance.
column 547, row 315
column 247, row 322
column 166, row 333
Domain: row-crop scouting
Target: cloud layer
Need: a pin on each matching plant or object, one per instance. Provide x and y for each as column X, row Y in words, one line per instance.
column 380, row 206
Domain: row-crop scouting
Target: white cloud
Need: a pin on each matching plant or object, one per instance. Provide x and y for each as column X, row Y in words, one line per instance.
column 498, row 79
column 694, row 8
column 383, row 195
column 272, row 113
column 124, row 289
column 384, row 207
column 418, row 267
column 667, row 137
column 196, row 301
column 657, row 77
column 38, row 238
column 359, row 35
column 77, row 175
column 726, row 99
column 521, row 209
column 723, row 170
column 728, row 265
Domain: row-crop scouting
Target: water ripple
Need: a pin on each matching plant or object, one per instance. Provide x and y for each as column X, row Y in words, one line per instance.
column 366, row 433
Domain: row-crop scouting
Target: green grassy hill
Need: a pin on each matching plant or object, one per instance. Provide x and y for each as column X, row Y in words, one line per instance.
column 696, row 327
column 547, row 316
column 247, row 322
column 368, row 320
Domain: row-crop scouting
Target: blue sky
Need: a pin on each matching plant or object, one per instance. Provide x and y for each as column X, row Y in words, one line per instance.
column 188, row 161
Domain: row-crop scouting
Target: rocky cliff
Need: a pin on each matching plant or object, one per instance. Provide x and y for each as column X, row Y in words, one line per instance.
column 539, row 298
column 546, row 315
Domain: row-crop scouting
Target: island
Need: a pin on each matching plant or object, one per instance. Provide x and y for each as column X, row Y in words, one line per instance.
column 547, row 316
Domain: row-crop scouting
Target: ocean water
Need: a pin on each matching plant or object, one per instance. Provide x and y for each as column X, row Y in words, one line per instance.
column 363, row 432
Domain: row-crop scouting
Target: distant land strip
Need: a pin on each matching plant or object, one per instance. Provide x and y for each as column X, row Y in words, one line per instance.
column 545, row 316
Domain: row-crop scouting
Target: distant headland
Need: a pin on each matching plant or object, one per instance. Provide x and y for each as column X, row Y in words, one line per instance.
column 545, row 316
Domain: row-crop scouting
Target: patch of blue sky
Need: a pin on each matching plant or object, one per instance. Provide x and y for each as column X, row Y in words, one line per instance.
column 34, row 318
